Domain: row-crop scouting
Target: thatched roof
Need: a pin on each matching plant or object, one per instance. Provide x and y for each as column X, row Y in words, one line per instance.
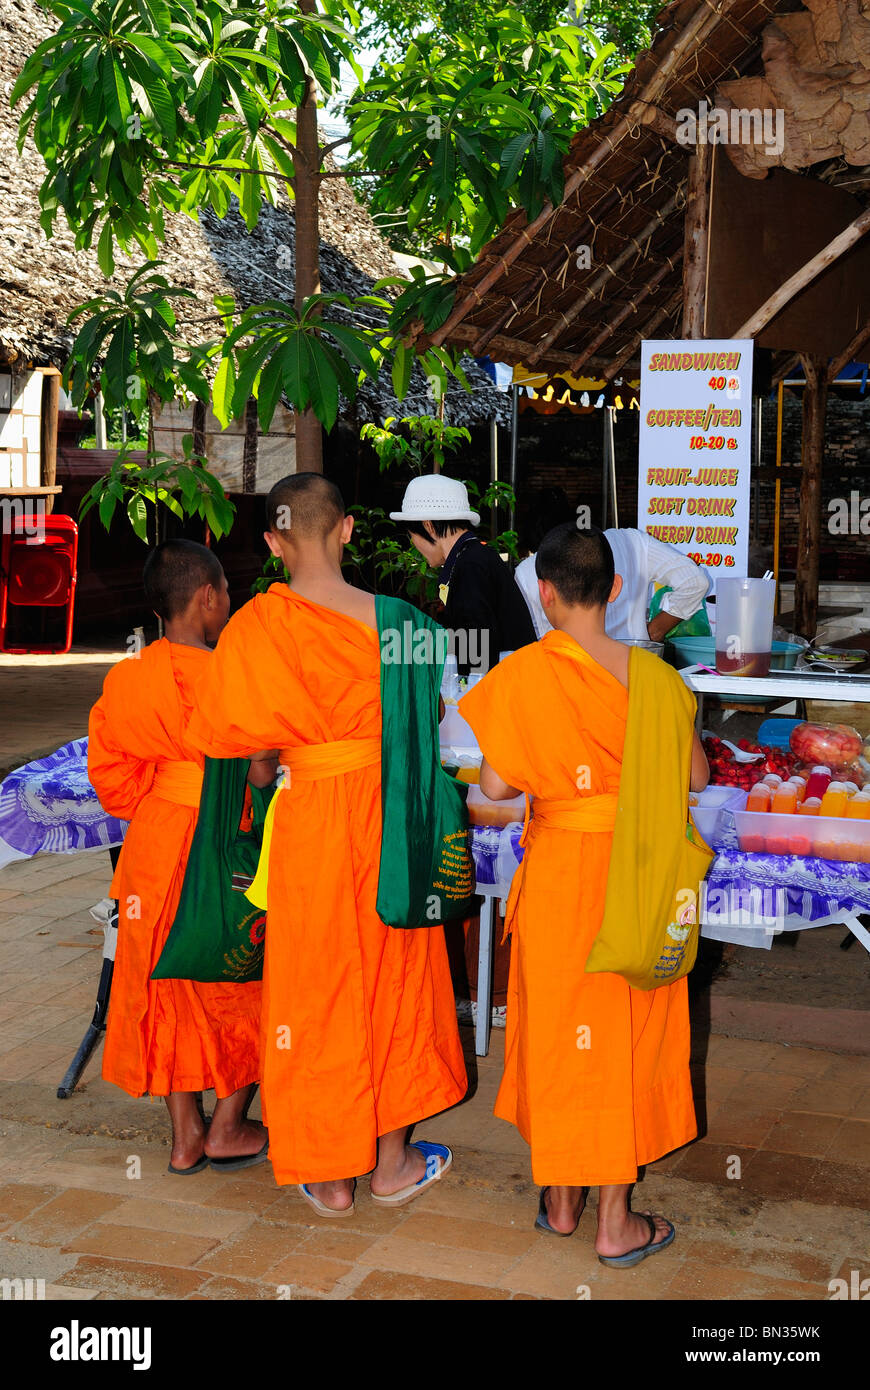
column 526, row 300
column 41, row 280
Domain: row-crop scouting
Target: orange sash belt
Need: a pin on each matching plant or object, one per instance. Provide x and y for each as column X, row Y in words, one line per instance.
column 579, row 813
column 314, row 761
column 595, row 814
column 180, row 782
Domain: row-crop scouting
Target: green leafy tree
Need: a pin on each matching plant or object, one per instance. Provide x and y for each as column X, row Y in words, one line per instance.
column 185, row 489
column 144, row 107
column 471, row 123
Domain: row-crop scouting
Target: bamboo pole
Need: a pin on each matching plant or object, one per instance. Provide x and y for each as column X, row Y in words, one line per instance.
column 539, row 279
column 805, row 276
column 617, row 320
column 635, row 247
column 695, row 258
column 645, row 332
column 699, row 27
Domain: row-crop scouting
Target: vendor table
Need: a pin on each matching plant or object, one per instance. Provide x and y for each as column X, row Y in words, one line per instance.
column 782, row 685
column 49, row 805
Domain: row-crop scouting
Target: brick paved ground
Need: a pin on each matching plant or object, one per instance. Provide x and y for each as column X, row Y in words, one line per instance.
column 796, row 1118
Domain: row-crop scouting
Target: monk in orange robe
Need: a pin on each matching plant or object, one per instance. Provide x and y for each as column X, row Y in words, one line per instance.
column 360, row 1038
column 596, row 1073
column 171, row 1038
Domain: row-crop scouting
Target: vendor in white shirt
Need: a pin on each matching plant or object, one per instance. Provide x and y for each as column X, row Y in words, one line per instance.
column 642, row 562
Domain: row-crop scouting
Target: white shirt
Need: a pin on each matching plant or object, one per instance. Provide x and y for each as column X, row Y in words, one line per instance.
column 641, row 561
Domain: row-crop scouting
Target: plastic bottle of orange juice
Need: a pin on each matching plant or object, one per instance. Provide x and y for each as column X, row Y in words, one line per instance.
column 784, row 800
column 834, row 800
column 800, row 785
column 810, row 806
column 759, row 798
column 859, row 807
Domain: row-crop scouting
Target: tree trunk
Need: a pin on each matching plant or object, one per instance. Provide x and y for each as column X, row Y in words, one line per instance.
column 309, row 433
column 806, row 591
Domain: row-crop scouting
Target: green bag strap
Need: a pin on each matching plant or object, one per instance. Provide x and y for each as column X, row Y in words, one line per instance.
column 425, row 822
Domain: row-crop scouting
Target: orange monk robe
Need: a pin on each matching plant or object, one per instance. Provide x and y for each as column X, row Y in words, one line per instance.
column 360, row 1035
column 162, row 1035
column 596, row 1073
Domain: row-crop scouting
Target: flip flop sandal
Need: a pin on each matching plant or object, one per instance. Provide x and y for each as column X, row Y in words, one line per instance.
column 432, row 1174
column 194, row 1168
column 233, row 1165
column 542, row 1220
column 634, row 1257
column 332, row 1213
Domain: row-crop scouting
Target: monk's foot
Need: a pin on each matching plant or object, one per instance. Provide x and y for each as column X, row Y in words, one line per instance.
column 393, row 1175
column 187, row 1147
column 565, row 1206
column 234, row 1139
column 337, row 1195
column 619, row 1235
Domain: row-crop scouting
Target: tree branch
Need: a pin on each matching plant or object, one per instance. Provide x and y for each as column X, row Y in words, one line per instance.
column 345, row 140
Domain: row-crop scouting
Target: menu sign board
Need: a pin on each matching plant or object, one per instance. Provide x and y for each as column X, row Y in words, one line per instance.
column 695, row 450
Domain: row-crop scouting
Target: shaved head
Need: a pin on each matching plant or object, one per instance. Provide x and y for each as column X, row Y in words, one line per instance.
column 174, row 571
column 578, row 564
column 304, row 507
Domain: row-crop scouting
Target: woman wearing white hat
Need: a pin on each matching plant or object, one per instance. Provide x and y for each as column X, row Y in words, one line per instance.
column 477, row 588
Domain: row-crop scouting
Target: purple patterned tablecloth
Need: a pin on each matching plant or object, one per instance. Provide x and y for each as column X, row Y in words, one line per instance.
column 807, row 888
column 49, row 806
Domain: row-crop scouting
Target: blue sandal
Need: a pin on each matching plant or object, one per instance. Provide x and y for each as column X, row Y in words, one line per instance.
column 542, row 1220
column 634, row 1257
column 433, row 1173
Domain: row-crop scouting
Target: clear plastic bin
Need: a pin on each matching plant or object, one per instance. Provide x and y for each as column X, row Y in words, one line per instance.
column 820, row 837
column 709, row 807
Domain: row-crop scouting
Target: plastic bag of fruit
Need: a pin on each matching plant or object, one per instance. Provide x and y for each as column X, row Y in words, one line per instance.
column 835, row 745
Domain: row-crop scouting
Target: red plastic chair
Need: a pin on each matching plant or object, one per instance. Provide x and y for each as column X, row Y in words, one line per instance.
column 39, row 572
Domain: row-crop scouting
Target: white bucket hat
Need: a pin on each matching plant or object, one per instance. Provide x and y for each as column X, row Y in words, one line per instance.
column 433, row 497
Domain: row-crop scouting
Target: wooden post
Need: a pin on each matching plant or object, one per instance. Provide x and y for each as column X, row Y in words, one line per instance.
column 48, row 441
column 806, row 591
column 777, row 520
column 306, row 168
column 696, row 243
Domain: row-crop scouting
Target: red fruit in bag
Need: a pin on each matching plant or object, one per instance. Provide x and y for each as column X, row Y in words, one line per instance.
column 836, row 745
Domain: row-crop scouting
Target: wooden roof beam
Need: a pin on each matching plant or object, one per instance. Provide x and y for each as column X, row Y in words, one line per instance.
column 702, row 23
column 648, row 329
column 663, row 125
column 540, row 278
column 793, row 286
column 617, row 320
column 636, row 246
column 848, row 353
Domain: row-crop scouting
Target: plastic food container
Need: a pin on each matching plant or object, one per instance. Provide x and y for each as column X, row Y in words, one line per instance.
column 821, row 837
column 744, row 626
column 456, row 732
column 710, row 807
column 482, row 811
column 691, row 651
